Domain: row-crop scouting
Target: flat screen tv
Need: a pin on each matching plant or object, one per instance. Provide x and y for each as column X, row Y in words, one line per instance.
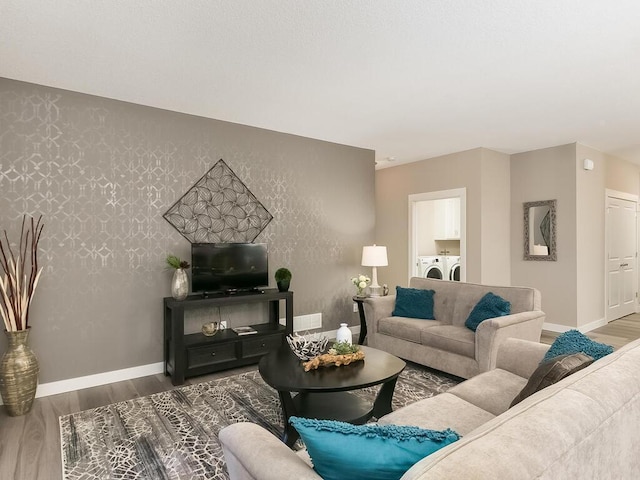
column 228, row 267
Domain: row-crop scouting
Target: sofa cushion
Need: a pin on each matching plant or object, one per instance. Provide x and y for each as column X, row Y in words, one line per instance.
column 583, row 427
column 575, row 341
column 414, row 303
column 450, row 338
column 445, row 298
column 340, row 450
column 405, row 328
column 492, row 391
column 552, row 371
column 522, row 299
column 439, row 412
column 489, row 306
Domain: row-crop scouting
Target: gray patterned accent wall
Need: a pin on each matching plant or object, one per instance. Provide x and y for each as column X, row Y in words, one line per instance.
column 102, row 172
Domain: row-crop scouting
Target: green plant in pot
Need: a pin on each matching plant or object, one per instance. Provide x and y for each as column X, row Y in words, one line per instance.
column 283, row 279
column 180, row 281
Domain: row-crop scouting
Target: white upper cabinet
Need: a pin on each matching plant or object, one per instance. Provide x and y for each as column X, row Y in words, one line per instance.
column 446, row 219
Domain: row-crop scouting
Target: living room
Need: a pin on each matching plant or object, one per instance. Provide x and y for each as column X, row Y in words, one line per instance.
column 103, row 165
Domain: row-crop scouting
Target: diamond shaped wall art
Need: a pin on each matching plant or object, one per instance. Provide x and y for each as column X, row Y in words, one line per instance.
column 219, row 208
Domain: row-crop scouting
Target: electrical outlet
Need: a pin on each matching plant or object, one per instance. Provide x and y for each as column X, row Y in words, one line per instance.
column 355, row 307
column 223, row 325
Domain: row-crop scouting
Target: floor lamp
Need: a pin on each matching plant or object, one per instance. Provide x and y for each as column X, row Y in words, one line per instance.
column 374, row 256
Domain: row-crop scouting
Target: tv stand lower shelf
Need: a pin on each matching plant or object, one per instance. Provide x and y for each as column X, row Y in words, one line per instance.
column 190, row 355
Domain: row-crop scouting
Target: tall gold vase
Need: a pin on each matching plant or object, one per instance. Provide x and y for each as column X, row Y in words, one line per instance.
column 18, row 374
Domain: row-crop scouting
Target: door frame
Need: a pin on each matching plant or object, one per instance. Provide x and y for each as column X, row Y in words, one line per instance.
column 460, row 193
column 609, row 193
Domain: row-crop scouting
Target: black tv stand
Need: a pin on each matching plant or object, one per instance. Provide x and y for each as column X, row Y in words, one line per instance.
column 196, row 354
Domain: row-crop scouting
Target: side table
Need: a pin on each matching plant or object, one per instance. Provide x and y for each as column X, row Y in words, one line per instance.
column 363, row 322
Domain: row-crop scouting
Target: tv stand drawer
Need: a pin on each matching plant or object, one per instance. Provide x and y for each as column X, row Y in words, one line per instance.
column 210, row 354
column 260, row 345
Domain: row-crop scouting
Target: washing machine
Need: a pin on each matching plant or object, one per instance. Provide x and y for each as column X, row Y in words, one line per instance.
column 432, row 267
column 452, row 268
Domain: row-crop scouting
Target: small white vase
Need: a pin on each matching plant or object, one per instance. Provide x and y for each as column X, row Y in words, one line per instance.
column 180, row 284
column 344, row 334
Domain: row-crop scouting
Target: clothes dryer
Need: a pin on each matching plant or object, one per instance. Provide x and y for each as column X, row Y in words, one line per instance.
column 452, row 268
column 432, row 267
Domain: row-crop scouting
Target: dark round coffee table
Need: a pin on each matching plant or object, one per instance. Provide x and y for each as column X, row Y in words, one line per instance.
column 324, row 393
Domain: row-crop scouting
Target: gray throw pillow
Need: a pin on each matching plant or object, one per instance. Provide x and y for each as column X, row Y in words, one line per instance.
column 552, row 371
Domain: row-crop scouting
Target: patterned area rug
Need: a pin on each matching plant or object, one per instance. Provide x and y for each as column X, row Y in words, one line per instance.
column 174, row 434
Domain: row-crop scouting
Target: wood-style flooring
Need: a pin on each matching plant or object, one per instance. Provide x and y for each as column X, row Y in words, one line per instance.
column 30, row 445
column 616, row 333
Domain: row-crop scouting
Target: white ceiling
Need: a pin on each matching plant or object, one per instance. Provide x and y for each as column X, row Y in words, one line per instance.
column 411, row 79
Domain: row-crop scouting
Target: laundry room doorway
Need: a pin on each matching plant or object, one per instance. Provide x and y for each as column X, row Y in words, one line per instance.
column 437, row 234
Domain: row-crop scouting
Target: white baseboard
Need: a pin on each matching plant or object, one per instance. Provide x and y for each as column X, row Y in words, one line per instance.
column 79, row 383
column 71, row 384
column 305, row 322
column 331, row 334
column 355, row 329
column 554, row 327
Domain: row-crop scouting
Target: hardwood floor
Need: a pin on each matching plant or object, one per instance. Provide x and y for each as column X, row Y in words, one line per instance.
column 30, row 445
column 616, row 333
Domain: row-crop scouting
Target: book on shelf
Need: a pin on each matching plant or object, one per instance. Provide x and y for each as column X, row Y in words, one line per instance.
column 245, row 330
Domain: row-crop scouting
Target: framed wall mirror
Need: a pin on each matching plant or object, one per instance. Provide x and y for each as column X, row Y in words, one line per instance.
column 540, row 230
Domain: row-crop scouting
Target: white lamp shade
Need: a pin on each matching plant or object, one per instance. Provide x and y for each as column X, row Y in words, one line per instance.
column 374, row 256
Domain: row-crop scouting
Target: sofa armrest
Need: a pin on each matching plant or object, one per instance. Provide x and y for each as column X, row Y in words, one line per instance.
column 376, row 308
column 252, row 453
column 493, row 332
column 521, row 357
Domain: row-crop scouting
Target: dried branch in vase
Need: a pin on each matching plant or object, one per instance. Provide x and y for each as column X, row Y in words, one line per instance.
column 21, row 275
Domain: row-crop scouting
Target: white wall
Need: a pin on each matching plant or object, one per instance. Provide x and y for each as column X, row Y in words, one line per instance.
column 487, row 225
column 621, row 175
column 497, row 186
column 426, row 233
column 393, row 187
column 590, row 235
column 496, row 225
column 547, row 174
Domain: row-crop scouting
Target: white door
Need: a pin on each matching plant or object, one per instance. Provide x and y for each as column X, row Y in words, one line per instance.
column 621, row 257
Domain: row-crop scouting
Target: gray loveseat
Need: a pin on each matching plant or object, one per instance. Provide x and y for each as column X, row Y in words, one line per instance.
column 445, row 343
column 585, row 426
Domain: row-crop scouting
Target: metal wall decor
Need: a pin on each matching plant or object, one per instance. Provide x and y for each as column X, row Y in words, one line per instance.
column 218, row 208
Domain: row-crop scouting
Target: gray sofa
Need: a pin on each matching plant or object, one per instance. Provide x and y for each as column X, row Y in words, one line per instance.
column 445, row 343
column 585, row 426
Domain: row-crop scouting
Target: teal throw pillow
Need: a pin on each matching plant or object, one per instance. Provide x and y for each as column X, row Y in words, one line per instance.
column 341, row 451
column 489, row 306
column 575, row 341
column 414, row 303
